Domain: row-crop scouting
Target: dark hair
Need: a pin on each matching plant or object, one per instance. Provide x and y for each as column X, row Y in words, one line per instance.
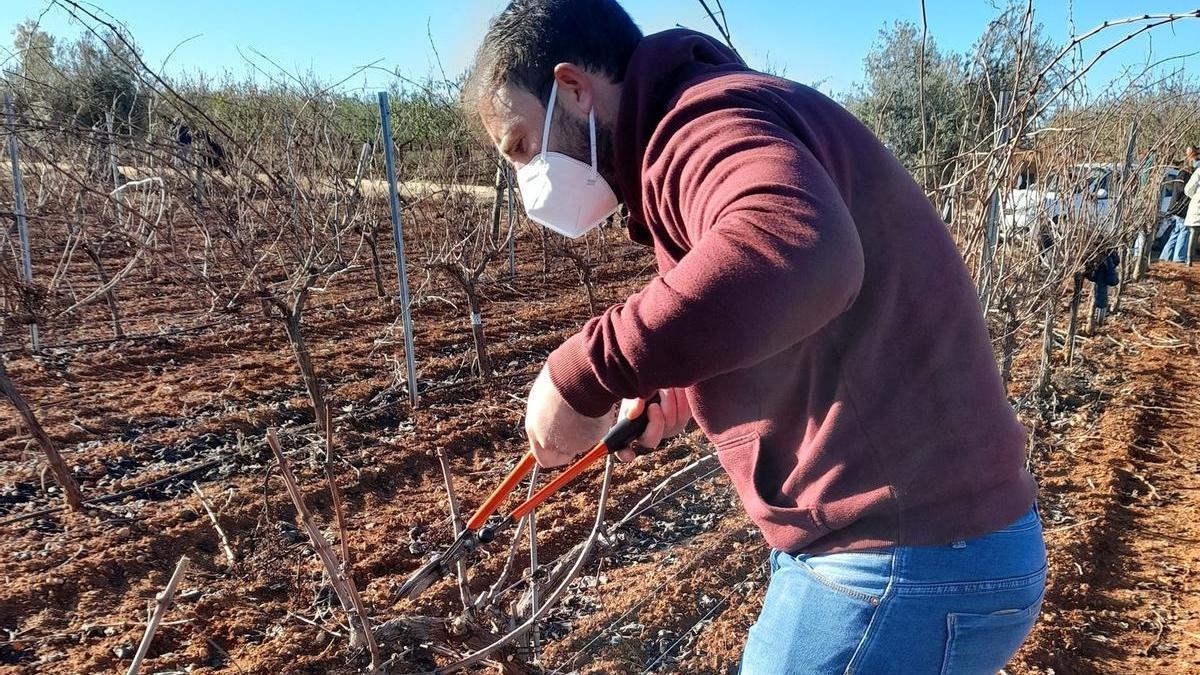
column 526, row 40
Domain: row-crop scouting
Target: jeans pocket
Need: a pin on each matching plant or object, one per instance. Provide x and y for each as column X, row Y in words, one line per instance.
column 983, row 643
column 860, row 575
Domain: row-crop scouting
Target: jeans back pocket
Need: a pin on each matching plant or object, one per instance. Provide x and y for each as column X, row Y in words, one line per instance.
column 981, row 644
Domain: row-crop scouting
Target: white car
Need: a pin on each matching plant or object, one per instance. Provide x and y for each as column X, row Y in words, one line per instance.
column 1079, row 195
column 1035, row 210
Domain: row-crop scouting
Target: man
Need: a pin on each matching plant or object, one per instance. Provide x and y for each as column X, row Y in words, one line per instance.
column 1103, row 273
column 1191, row 189
column 183, row 139
column 1175, row 248
column 811, row 312
column 212, row 154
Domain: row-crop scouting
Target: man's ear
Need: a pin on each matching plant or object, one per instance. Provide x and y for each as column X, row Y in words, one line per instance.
column 574, row 88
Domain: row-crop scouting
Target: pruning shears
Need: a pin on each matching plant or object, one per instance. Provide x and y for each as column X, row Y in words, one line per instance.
column 478, row 532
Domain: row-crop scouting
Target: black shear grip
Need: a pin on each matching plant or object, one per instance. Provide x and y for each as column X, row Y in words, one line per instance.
column 626, row 430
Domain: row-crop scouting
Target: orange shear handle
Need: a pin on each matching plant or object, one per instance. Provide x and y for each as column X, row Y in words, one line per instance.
column 502, row 491
column 618, row 437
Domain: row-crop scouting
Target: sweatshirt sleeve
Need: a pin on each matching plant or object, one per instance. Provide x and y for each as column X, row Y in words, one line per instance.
column 774, row 256
column 1193, row 185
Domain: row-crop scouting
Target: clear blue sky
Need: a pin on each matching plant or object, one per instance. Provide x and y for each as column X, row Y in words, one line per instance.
column 816, row 41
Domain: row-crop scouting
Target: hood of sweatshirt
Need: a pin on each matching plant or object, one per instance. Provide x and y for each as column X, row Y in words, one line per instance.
column 662, row 66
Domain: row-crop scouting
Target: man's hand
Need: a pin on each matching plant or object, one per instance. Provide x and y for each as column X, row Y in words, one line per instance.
column 556, row 432
column 669, row 417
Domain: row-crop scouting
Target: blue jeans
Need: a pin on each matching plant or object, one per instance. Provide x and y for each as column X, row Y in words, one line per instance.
column 959, row 609
column 1178, row 242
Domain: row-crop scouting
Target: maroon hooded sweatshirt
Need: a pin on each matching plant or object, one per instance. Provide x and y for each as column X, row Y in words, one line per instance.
column 813, row 304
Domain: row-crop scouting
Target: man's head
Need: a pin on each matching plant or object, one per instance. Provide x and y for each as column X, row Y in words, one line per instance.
column 583, row 44
column 1192, row 154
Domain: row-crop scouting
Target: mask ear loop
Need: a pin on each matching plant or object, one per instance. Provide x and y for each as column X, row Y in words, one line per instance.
column 592, row 135
column 549, row 116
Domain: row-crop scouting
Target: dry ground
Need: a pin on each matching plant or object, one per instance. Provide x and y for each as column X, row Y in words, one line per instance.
column 1117, row 457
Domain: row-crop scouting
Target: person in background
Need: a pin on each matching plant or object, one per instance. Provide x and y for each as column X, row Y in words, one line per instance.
column 211, row 152
column 1191, row 218
column 1103, row 274
column 183, row 139
column 1175, row 248
column 811, row 312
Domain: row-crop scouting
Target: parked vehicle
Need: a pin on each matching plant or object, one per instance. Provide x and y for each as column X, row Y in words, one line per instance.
column 1082, row 194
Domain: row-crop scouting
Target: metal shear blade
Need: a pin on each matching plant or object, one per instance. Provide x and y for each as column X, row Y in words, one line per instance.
column 440, row 566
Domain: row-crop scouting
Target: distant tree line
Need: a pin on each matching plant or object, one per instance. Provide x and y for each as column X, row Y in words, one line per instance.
column 933, row 108
column 906, row 71
column 76, row 85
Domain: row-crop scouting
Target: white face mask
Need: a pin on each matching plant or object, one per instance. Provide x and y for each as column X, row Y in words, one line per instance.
column 561, row 192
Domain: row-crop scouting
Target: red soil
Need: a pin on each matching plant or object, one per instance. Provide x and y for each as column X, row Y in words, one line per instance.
column 676, row 591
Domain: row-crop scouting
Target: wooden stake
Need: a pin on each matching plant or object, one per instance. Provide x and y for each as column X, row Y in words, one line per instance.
column 229, row 555
column 343, row 586
column 160, row 608
column 336, row 493
column 456, row 526
column 66, row 482
column 1073, row 320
